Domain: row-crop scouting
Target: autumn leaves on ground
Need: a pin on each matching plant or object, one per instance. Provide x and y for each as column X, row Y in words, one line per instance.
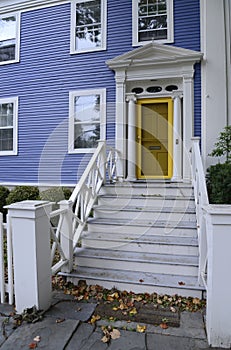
column 114, row 305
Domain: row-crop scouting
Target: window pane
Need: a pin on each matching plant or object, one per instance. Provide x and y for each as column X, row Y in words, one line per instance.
column 6, row 114
column 6, row 139
column 87, row 108
column 86, row 135
column 7, row 38
column 88, row 25
column 152, row 20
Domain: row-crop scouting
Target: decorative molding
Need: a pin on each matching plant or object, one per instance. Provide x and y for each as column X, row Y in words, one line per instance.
column 28, row 5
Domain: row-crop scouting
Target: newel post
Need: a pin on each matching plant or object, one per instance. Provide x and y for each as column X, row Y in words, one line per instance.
column 218, row 311
column 66, row 234
column 31, row 253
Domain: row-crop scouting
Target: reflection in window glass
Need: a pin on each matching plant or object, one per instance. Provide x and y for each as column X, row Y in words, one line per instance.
column 88, row 25
column 8, row 36
column 152, row 20
column 6, row 127
column 86, row 121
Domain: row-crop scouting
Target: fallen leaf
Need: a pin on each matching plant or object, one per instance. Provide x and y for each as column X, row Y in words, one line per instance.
column 32, row 345
column 173, row 309
column 60, row 320
column 114, row 295
column 141, row 329
column 133, row 312
column 110, row 298
column 95, row 318
column 196, row 301
column 37, row 338
column 123, row 306
column 181, row 283
column 164, row 325
column 105, row 339
column 115, row 334
column 115, row 308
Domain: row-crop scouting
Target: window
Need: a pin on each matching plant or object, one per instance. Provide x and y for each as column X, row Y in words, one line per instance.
column 152, row 20
column 88, row 30
column 8, row 126
column 9, row 38
column 87, row 120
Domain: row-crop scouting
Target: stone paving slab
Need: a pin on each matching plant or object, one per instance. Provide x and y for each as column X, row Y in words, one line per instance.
column 87, row 337
column 54, row 336
column 72, row 310
column 165, row 342
column 128, row 341
column 7, row 328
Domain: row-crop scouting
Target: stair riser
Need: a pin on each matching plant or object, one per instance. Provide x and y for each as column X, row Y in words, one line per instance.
column 157, row 191
column 138, row 288
column 140, row 230
column 150, row 202
column 142, row 215
column 140, row 247
column 164, row 268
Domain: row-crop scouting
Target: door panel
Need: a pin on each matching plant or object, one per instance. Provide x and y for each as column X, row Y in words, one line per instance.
column 154, row 138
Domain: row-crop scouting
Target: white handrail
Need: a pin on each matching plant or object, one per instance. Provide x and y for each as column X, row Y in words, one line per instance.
column 201, row 200
column 84, row 196
column 73, row 214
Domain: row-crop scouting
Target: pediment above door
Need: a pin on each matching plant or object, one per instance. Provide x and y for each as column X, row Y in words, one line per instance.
column 157, row 57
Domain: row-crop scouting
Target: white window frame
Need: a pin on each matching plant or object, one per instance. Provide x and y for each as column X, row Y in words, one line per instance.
column 71, row 134
column 103, row 46
column 17, row 39
column 170, row 27
column 14, row 151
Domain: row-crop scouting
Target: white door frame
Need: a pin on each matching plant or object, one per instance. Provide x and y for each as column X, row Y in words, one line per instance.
column 157, row 61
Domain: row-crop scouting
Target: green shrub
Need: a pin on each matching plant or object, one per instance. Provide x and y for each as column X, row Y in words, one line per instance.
column 219, row 183
column 4, row 192
column 21, row 193
column 55, row 194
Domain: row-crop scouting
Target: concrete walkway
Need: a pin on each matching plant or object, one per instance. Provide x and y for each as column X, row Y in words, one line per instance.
column 65, row 326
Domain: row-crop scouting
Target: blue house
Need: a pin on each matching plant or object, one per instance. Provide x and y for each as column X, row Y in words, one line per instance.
column 145, row 76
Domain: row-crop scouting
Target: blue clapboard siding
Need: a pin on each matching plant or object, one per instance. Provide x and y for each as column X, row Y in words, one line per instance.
column 47, row 72
column 187, row 35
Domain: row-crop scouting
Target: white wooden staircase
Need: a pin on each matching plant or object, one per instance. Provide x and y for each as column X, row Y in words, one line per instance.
column 142, row 237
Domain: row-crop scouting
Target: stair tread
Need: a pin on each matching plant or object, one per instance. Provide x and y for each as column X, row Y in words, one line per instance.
column 145, row 239
column 170, row 210
column 147, row 223
column 136, row 278
column 150, row 184
column 150, row 258
column 148, row 196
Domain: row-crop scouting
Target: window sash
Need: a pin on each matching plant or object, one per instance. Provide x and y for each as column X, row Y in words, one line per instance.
column 88, row 28
column 9, row 38
column 8, row 126
column 85, row 130
column 152, row 20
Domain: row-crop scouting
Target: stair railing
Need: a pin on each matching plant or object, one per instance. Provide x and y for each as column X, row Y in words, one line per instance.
column 201, row 200
column 102, row 166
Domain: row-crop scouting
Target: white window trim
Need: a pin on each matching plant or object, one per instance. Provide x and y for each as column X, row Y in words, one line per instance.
column 72, row 95
column 28, row 5
column 13, row 100
column 17, row 39
column 103, row 28
column 170, row 19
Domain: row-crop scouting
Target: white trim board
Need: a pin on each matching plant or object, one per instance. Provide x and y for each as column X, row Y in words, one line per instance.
column 28, row 5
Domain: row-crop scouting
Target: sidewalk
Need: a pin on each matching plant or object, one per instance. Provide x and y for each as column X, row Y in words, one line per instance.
column 65, row 326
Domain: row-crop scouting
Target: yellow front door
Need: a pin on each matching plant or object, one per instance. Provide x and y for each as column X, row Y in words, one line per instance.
column 154, row 137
